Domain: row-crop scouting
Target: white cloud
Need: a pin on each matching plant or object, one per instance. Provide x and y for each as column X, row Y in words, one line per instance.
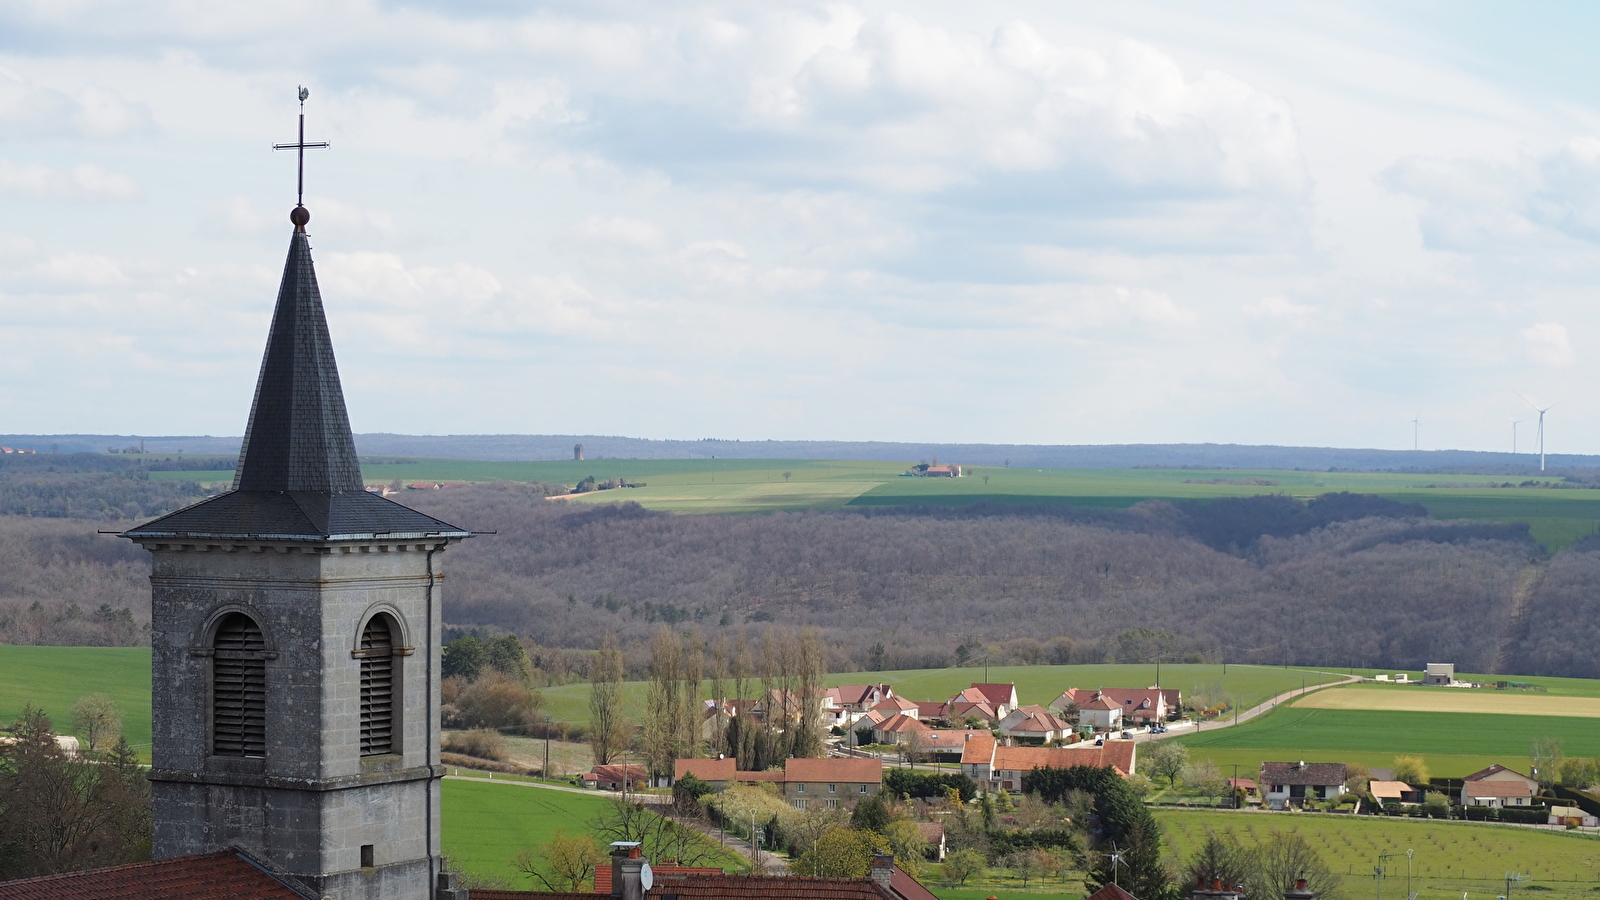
column 85, row 181
column 1547, row 344
column 28, row 109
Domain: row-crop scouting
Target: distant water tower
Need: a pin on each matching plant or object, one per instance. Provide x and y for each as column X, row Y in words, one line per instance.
column 577, row 451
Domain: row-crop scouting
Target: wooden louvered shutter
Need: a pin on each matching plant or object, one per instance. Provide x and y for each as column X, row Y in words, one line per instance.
column 377, row 688
column 238, row 689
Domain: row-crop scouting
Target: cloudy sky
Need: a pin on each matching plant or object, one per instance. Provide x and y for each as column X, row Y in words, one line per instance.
column 936, row 221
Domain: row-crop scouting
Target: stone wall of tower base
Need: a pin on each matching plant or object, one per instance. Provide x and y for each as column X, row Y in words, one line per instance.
column 312, row 837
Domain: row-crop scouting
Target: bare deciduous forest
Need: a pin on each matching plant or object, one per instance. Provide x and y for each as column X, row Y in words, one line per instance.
column 1342, row 580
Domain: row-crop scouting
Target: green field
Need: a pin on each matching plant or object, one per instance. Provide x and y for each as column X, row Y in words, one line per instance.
column 53, row 678
column 485, row 825
column 1557, row 517
column 1452, row 859
column 1035, row 684
column 1373, row 737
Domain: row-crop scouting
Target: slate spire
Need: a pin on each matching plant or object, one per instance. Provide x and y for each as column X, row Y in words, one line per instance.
column 299, row 436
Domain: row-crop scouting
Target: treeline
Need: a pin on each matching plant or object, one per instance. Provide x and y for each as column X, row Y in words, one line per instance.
column 1342, row 580
column 63, row 584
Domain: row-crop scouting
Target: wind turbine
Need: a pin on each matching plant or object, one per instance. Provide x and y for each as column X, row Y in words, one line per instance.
column 1416, row 431
column 1540, row 432
column 1116, row 860
column 1514, row 437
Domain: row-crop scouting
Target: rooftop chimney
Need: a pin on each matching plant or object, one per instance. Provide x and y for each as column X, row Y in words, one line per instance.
column 883, row 868
column 1300, row 892
column 627, row 870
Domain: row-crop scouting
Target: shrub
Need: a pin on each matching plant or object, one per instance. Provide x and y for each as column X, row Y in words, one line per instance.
column 1436, row 805
column 482, row 743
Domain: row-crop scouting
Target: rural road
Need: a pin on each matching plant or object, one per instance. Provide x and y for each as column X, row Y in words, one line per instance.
column 654, row 799
column 1246, row 715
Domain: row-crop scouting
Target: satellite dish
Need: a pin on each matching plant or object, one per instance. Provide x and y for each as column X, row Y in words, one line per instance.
column 647, row 878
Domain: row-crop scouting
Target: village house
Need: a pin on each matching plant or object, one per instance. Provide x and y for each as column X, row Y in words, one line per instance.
column 1100, row 713
column 856, row 699
column 615, row 778
column 899, row 729
column 1002, row 698
column 1001, row 768
column 1140, row 706
column 947, row 744
column 1035, row 724
column 1498, row 786
column 1286, row 784
column 833, row 783
column 1393, row 792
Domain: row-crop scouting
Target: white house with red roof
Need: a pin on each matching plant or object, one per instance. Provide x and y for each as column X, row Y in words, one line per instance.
column 1139, row 705
column 1498, row 786
column 1001, row 697
column 1035, row 724
column 1002, row 768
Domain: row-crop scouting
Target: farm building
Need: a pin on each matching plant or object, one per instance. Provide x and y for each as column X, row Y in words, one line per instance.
column 1440, row 674
column 615, row 778
column 1394, row 792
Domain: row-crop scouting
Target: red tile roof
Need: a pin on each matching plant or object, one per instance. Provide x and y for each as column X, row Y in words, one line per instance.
column 1497, row 789
column 978, row 751
column 996, row 693
column 225, row 875
column 951, row 739
column 1111, row 892
column 618, row 774
column 1117, row 754
column 848, row 770
column 1493, row 770
column 900, row 722
column 780, row 887
column 705, row 769
column 739, row 887
column 602, row 874
column 907, row 887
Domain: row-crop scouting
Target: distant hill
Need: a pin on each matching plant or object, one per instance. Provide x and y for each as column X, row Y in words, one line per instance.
column 1084, row 456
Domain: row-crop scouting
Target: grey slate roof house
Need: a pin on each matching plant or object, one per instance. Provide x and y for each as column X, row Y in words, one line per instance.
column 1287, row 783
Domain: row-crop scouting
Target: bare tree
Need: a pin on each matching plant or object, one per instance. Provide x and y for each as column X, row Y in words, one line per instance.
column 1280, row 860
column 563, row 863
column 660, row 837
column 608, row 734
column 97, row 720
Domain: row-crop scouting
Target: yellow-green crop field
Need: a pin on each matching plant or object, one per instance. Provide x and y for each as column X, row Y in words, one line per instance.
column 1412, row 698
column 1557, row 517
column 1450, row 859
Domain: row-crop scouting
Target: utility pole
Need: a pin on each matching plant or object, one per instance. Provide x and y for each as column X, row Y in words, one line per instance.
column 546, row 770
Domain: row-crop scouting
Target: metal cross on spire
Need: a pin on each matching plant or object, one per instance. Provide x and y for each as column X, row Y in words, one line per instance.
column 300, row 216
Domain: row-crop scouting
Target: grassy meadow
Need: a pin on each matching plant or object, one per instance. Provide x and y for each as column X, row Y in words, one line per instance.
column 1451, row 859
column 485, row 825
column 1557, row 517
column 53, row 678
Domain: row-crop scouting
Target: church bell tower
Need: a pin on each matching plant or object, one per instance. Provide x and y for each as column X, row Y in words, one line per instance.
column 296, row 642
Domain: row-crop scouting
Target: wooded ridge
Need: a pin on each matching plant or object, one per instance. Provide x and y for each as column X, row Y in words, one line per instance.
column 1340, row 580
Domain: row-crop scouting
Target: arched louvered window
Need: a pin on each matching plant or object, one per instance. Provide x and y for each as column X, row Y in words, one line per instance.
column 238, row 688
column 377, row 686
